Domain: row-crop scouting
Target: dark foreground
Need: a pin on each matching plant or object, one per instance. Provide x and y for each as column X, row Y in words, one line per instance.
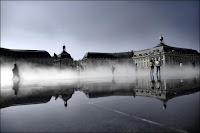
column 102, row 105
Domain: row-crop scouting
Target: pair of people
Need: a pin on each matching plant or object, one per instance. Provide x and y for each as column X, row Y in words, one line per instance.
column 152, row 64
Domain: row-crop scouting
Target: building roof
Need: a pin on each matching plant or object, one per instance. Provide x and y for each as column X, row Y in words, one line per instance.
column 109, row 55
column 24, row 53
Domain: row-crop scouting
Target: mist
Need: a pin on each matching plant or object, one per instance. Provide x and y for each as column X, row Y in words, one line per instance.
column 125, row 73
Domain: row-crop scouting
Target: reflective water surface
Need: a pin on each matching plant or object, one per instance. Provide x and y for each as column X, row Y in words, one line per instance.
column 123, row 104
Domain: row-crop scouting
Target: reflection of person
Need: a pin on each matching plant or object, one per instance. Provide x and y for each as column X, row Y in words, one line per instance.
column 16, row 86
column 157, row 66
column 158, row 83
column 152, row 82
column 15, row 71
column 151, row 64
column 164, row 104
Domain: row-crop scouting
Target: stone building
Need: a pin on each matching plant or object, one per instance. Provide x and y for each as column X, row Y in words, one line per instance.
column 167, row 55
column 63, row 60
column 37, row 57
column 92, row 59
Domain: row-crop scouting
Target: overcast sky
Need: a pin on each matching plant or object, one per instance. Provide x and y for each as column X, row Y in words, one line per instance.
column 101, row 26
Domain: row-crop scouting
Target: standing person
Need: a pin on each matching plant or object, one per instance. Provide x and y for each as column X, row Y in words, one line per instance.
column 193, row 64
column 78, row 70
column 113, row 70
column 151, row 64
column 15, row 71
column 181, row 65
column 157, row 66
column 136, row 68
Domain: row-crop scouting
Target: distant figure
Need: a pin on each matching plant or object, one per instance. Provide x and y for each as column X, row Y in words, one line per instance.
column 157, row 63
column 113, row 70
column 15, row 71
column 193, row 64
column 181, row 65
column 78, row 70
column 82, row 68
column 151, row 64
column 136, row 67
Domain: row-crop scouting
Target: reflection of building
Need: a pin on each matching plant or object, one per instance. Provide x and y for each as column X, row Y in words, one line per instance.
column 106, row 59
column 166, row 54
column 25, row 56
column 38, row 95
column 167, row 89
column 64, row 59
column 159, row 89
column 93, row 90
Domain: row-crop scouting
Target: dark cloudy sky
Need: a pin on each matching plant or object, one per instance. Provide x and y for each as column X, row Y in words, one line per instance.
column 101, row 26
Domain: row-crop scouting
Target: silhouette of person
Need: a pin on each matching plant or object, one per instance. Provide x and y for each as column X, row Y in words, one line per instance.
column 193, row 64
column 136, row 68
column 16, row 86
column 181, row 65
column 78, row 70
column 15, row 71
column 113, row 70
column 157, row 63
column 151, row 64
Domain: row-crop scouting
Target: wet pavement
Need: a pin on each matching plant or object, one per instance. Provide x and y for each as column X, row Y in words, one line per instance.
column 122, row 104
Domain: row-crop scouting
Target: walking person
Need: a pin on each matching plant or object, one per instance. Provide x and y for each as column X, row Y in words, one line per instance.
column 16, row 72
column 113, row 70
column 151, row 64
column 157, row 63
column 181, row 65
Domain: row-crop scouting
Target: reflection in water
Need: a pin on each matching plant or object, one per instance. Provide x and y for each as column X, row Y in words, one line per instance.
column 16, row 86
column 162, row 89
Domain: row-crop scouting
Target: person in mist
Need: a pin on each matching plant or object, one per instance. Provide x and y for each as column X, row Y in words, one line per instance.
column 181, row 65
column 136, row 68
column 78, row 70
column 193, row 64
column 113, row 70
column 157, row 63
column 151, row 64
column 15, row 71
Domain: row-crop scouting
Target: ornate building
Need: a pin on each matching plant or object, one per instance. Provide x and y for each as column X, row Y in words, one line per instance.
column 63, row 60
column 167, row 55
column 37, row 57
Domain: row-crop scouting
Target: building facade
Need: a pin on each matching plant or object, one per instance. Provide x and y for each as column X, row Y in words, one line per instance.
column 92, row 59
column 167, row 55
column 37, row 57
